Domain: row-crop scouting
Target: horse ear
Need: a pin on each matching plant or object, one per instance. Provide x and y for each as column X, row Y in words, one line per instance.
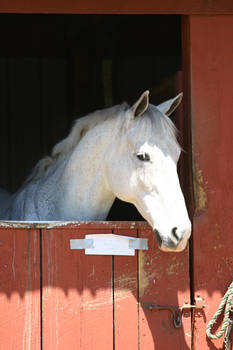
column 169, row 106
column 141, row 105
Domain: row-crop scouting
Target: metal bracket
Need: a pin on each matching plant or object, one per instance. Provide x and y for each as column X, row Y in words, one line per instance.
column 109, row 244
column 176, row 311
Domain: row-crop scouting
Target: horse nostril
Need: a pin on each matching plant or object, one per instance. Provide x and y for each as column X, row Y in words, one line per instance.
column 159, row 239
column 174, row 233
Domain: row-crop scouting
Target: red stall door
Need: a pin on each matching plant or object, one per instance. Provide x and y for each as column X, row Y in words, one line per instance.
column 95, row 302
column 20, row 293
column 56, row 298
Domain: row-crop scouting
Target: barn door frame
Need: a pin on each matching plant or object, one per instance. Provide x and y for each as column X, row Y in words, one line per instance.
column 208, row 76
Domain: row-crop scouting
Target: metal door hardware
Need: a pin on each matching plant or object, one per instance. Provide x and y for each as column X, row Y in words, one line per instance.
column 176, row 310
column 109, row 244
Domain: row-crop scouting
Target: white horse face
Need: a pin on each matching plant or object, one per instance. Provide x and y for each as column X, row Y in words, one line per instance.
column 143, row 171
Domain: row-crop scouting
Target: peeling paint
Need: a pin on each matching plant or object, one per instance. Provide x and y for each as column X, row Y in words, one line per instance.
column 13, row 259
column 174, row 268
column 143, row 280
column 101, row 302
column 73, row 224
column 92, row 272
column 144, row 276
column 122, row 294
column 128, row 282
column 199, row 190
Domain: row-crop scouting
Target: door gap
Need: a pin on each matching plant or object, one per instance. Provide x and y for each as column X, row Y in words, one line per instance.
column 41, row 293
column 113, row 302
column 138, row 300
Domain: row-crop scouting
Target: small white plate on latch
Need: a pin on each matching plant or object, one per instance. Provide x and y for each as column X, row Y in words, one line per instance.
column 109, row 244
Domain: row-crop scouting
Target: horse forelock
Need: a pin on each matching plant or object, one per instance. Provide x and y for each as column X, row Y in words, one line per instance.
column 157, row 126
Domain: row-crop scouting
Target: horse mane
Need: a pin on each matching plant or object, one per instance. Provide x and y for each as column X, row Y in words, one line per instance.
column 83, row 125
column 80, row 127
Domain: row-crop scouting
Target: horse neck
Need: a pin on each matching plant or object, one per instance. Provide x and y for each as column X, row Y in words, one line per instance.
column 86, row 193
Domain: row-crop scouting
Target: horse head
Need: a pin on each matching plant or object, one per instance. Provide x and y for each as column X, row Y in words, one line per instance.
column 142, row 170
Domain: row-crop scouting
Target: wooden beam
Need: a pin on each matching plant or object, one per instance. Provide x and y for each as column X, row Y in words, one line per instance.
column 118, row 7
column 210, row 73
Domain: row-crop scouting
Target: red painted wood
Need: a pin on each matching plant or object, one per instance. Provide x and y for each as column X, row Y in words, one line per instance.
column 88, row 302
column 77, row 293
column 164, row 280
column 110, row 225
column 80, row 305
column 187, row 167
column 211, row 71
column 118, row 7
column 126, row 297
column 19, row 289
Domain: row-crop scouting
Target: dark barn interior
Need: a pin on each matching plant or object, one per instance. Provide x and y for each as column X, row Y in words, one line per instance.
column 55, row 68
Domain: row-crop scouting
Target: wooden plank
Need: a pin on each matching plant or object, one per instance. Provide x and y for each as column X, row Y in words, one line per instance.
column 211, row 69
column 126, row 298
column 77, row 293
column 20, row 289
column 186, row 158
column 110, row 225
column 119, row 7
column 163, row 280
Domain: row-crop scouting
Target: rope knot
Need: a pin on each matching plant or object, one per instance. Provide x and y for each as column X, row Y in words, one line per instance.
column 226, row 305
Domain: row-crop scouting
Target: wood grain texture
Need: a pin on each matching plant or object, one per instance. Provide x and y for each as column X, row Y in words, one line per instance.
column 118, row 7
column 20, row 289
column 87, row 302
column 163, row 280
column 211, row 69
column 77, row 293
column 126, row 298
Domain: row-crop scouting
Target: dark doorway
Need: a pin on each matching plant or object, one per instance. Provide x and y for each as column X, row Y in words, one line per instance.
column 55, row 68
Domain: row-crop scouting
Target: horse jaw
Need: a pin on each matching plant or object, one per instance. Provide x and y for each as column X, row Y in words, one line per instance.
column 170, row 222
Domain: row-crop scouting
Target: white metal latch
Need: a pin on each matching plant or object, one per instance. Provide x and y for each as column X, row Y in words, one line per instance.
column 109, row 244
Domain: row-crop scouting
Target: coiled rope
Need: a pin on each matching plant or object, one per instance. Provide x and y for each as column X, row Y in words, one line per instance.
column 227, row 303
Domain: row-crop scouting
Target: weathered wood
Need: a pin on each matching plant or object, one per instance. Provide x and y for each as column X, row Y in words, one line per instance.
column 119, row 7
column 163, row 280
column 20, row 289
column 126, row 298
column 87, row 301
column 77, row 293
column 109, row 225
column 211, row 72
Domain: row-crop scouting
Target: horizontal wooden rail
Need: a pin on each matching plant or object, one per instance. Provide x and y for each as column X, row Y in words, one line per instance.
column 192, row 7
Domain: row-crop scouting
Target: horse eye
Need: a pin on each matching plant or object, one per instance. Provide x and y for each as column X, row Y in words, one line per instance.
column 144, row 157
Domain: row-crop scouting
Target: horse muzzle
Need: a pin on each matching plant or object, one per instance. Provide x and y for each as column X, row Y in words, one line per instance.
column 175, row 242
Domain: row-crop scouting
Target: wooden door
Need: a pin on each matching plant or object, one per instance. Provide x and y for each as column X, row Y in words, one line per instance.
column 209, row 73
column 20, row 293
column 94, row 302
